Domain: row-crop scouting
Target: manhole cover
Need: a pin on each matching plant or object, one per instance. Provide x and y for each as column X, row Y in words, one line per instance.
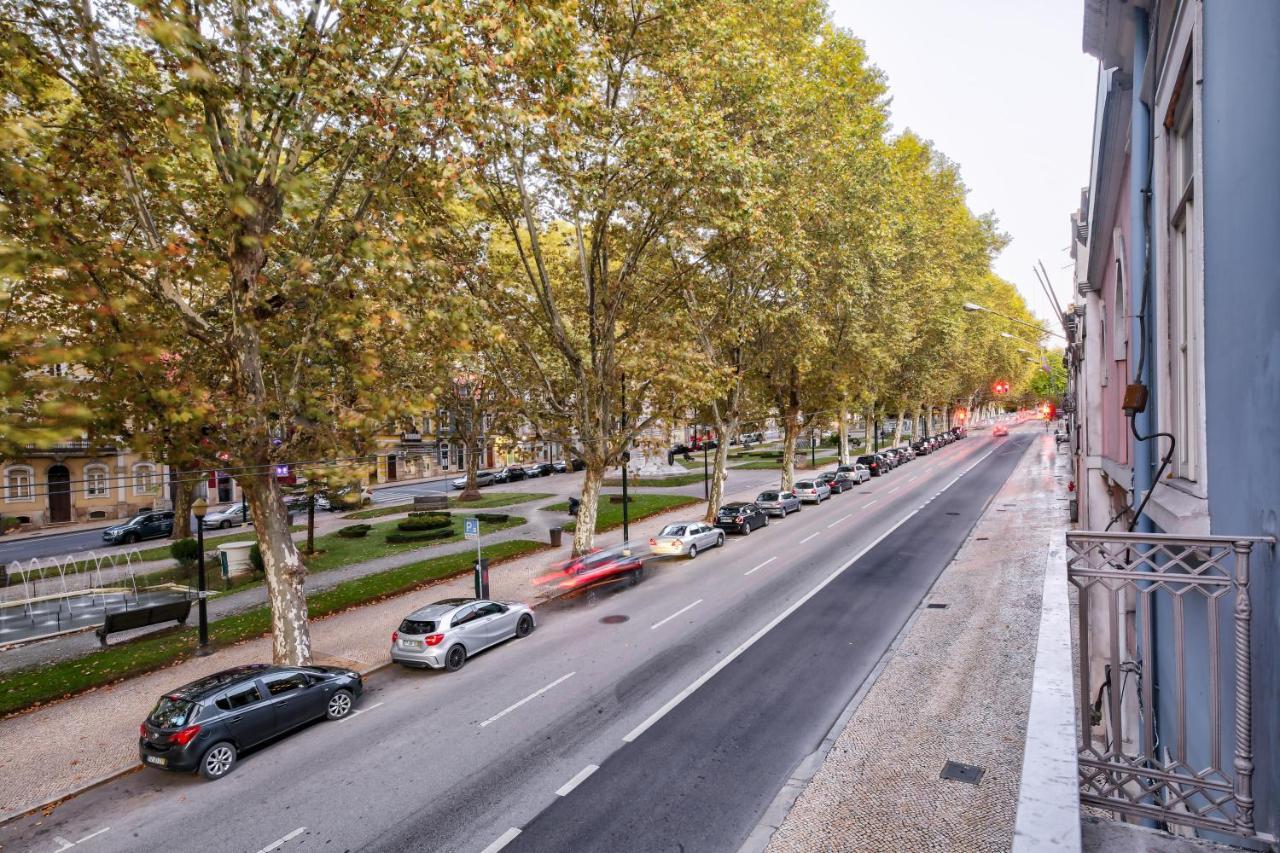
column 958, row 772
column 614, row 620
column 953, row 513
column 981, row 538
column 936, row 605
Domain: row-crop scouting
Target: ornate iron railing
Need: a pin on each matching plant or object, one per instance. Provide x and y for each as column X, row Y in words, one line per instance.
column 1154, row 741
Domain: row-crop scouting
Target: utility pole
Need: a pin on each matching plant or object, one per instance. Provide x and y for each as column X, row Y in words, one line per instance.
column 626, row 460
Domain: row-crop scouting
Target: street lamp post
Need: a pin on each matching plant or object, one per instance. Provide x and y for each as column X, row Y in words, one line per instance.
column 626, row 463
column 973, row 306
column 198, row 508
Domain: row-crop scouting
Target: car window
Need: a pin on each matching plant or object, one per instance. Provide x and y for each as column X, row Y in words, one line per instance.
column 239, row 697
column 490, row 609
column 462, row 616
column 417, row 626
column 768, row 496
column 284, row 682
column 673, row 530
column 171, row 712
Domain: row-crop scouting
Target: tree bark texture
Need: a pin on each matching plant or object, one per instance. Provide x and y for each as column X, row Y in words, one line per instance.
column 290, row 628
column 584, row 529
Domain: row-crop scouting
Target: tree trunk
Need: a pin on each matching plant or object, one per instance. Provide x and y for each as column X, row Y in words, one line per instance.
column 719, row 474
column 290, row 628
column 789, row 434
column 844, row 436
column 182, row 498
column 471, row 492
column 897, row 428
column 869, row 430
column 584, row 529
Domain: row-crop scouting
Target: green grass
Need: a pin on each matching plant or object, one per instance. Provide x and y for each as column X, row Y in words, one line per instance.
column 609, row 515
column 486, row 501
column 335, row 551
column 26, row 688
column 674, row 480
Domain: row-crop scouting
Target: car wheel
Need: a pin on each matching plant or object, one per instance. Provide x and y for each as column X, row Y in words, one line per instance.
column 745, row 529
column 455, row 659
column 339, row 705
column 720, row 541
column 130, row 538
column 764, row 521
column 693, row 551
column 218, row 760
column 224, row 525
column 524, row 627
column 784, row 512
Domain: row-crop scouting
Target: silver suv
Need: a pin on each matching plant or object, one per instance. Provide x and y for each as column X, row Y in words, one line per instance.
column 443, row 635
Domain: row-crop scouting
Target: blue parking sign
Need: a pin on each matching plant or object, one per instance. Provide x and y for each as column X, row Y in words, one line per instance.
column 471, row 528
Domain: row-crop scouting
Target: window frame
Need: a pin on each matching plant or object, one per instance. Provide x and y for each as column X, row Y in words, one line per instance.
column 89, row 477
column 153, row 487
column 24, row 493
column 1120, row 300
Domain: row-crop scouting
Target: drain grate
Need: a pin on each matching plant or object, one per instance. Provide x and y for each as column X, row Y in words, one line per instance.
column 956, row 771
column 936, row 605
column 614, row 620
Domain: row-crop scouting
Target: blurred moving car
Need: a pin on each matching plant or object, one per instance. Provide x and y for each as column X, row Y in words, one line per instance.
column 228, row 516
column 812, row 491
column 600, row 565
column 686, row 539
column 444, row 634
column 999, row 430
column 204, row 726
column 777, row 502
column 144, row 525
column 741, row 517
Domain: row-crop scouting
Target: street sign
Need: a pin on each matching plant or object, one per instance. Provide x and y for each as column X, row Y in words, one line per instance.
column 471, row 528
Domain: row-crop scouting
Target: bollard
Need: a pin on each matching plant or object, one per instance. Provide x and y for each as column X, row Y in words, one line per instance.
column 557, row 533
column 482, row 577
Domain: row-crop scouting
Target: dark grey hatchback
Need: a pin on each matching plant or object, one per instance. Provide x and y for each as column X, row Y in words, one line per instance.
column 205, row 725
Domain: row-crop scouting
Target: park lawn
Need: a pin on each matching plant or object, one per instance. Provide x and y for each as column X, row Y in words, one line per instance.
column 609, row 515
column 659, row 482
column 486, row 501
column 334, row 551
column 26, row 688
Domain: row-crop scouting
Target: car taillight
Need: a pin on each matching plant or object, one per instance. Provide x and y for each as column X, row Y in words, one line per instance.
column 433, row 639
column 142, row 730
column 185, row 736
column 395, row 635
column 653, row 542
column 738, row 520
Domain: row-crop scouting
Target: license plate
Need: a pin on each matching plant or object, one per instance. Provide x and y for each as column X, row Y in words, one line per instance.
column 155, row 759
column 410, row 644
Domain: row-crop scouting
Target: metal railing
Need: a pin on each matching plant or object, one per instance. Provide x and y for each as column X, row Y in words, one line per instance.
column 1164, row 646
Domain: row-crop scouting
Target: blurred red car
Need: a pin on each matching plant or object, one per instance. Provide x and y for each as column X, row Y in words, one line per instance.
column 599, row 565
column 999, row 430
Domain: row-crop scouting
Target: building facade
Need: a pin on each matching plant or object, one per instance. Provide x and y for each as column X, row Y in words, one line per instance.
column 74, row 482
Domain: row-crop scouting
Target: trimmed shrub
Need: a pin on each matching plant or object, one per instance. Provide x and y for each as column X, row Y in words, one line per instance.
column 617, row 499
column 185, row 551
column 492, row 517
column 255, row 559
column 355, row 531
column 433, row 522
column 430, row 513
column 394, row 538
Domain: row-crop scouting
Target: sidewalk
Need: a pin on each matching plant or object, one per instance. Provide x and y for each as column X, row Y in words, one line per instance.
column 956, row 688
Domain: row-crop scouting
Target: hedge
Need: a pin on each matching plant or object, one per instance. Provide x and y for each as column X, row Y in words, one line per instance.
column 434, row 522
column 430, row 513
column 423, row 536
column 493, row 517
column 355, row 531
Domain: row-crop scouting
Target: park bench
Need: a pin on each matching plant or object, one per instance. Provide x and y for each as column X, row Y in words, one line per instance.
column 141, row 617
column 436, row 500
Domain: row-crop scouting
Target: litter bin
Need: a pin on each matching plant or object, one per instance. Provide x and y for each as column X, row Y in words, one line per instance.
column 556, row 534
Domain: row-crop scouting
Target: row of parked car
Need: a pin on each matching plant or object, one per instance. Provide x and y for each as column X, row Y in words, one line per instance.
column 516, row 473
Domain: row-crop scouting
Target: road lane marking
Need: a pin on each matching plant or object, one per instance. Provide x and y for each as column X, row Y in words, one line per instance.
column 838, row 520
column 894, row 489
column 534, row 695
column 773, row 623
column 357, row 712
column 282, row 841
column 662, row 622
column 759, row 567
column 567, row 787
column 869, row 503
column 93, row 834
column 913, row 479
column 810, row 536
column 67, row 845
column 502, row 841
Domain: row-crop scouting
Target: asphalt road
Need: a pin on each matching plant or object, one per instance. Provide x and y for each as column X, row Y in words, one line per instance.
column 725, row 673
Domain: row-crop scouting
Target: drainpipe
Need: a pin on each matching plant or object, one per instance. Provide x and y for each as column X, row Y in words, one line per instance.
column 1140, row 271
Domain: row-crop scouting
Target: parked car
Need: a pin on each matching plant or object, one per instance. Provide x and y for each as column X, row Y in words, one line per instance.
column 874, row 464
column 741, row 517
column 563, row 466
column 483, row 478
column 834, row 483
column 144, row 525
column 511, row 474
column 849, row 478
column 908, row 451
column 999, row 430
column 601, row 565
column 812, row 491
column 1061, row 437
column 444, row 634
column 960, row 432
column 922, row 447
column 206, row 725
column 686, row 539
column 779, row 503
column 344, row 498
column 228, row 516
column 540, row 469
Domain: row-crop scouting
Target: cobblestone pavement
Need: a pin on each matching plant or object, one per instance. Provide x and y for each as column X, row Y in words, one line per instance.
column 957, row 688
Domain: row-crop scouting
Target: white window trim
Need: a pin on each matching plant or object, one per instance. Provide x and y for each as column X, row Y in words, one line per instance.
column 1187, row 36
column 30, row 474
column 153, row 474
column 89, row 471
column 1120, row 300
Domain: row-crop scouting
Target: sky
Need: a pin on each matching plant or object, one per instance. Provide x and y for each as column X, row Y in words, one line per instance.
column 1003, row 88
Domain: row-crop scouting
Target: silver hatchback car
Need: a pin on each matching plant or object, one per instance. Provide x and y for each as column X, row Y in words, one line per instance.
column 443, row 635
column 813, row 491
column 778, row 503
column 686, row 538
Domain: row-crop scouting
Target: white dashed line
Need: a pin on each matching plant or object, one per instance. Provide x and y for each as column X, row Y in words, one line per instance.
column 838, row 520
column 894, row 489
column 534, row 695
column 567, row 787
column 869, row 503
column 282, row 841
column 810, row 536
column 759, row 567
column 360, row 711
column 502, row 841
column 686, row 609
column 67, row 845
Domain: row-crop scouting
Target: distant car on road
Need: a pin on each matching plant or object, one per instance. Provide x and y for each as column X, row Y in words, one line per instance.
column 834, row 483
column 999, row 430
column 741, row 517
column 858, row 473
column 228, row 516
column 686, row 539
column 204, row 726
column 874, row 464
column 444, row 634
column 777, row 502
column 540, row 469
column 144, row 525
column 483, row 478
column 563, row 466
column 812, row 491
column 510, row 474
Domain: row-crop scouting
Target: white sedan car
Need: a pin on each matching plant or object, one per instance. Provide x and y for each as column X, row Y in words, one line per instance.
column 228, row 516
column 686, row 538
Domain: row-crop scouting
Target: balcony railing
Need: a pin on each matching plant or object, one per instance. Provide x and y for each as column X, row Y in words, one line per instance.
column 1164, row 690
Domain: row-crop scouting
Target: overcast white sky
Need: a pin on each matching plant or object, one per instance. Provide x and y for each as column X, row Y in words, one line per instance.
column 1003, row 88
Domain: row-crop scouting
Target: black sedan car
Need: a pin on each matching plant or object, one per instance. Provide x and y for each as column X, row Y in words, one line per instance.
column 540, row 469
column 510, row 474
column 837, row 485
column 564, row 466
column 205, row 725
column 740, row 517
column 875, row 464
